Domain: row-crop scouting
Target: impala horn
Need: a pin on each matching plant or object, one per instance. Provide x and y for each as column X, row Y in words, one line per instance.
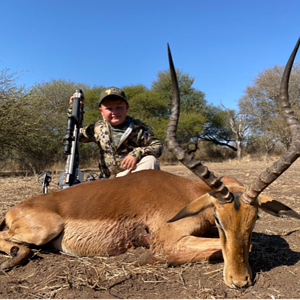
column 221, row 192
column 290, row 156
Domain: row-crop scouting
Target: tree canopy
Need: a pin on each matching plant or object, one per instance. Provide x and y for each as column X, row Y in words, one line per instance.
column 33, row 121
column 262, row 104
column 16, row 124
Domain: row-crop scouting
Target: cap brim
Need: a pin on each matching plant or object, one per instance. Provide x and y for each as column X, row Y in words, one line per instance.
column 113, row 96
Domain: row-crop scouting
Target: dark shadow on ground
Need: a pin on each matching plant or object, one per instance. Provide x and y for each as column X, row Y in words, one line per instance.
column 270, row 251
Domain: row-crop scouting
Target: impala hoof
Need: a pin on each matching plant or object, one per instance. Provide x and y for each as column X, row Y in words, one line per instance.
column 19, row 257
column 148, row 258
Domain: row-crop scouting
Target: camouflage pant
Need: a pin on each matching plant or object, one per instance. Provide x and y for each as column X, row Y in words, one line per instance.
column 146, row 163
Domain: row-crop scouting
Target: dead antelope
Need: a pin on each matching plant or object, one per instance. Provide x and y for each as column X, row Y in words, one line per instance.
column 170, row 215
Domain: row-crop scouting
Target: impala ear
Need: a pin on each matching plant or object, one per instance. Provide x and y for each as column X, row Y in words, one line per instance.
column 276, row 208
column 195, row 207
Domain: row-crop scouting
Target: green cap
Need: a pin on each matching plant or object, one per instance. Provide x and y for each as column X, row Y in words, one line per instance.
column 112, row 92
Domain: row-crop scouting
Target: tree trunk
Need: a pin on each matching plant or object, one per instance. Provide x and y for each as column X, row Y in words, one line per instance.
column 239, row 150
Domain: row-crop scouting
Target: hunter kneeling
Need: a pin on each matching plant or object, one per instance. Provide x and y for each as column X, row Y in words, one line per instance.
column 125, row 143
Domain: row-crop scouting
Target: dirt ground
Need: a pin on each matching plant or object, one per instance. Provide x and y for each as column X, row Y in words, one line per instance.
column 274, row 257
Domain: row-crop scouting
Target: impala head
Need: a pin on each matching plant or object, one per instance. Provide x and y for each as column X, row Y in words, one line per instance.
column 236, row 207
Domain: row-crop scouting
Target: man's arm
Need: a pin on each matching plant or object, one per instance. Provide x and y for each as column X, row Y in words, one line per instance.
column 87, row 134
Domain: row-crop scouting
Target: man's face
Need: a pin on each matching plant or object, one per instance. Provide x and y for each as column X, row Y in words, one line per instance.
column 114, row 111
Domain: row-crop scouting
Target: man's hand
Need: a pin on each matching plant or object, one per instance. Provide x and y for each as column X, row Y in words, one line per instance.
column 128, row 162
column 72, row 98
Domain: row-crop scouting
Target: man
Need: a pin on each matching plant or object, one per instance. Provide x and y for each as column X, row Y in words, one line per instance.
column 126, row 144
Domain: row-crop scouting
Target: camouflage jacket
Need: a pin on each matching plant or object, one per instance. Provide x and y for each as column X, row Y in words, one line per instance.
column 138, row 140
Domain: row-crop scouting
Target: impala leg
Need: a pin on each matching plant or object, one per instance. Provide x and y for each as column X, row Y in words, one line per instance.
column 37, row 230
column 195, row 249
column 19, row 254
column 188, row 249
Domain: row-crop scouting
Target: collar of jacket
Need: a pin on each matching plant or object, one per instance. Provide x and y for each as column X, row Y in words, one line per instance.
column 123, row 137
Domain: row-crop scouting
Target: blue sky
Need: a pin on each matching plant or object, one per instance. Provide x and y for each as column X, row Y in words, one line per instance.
column 223, row 44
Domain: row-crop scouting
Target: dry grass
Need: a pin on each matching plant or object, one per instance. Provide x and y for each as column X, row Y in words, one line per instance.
column 109, row 275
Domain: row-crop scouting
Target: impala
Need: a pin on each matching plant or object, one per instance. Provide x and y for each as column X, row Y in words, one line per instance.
column 170, row 215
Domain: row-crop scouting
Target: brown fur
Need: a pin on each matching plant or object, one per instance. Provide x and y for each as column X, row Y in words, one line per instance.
column 109, row 216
